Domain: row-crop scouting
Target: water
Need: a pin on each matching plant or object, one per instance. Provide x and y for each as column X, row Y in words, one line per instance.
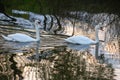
column 58, row 64
column 54, row 62
column 53, row 59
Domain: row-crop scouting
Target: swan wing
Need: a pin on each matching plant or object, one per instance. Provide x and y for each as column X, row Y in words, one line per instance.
column 79, row 40
column 70, row 40
column 21, row 37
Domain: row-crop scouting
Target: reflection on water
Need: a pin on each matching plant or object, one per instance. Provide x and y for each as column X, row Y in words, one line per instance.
column 18, row 47
column 78, row 47
column 6, row 73
column 58, row 63
column 74, row 62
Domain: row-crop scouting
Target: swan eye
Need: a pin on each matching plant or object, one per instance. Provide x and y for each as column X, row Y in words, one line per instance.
column 101, row 28
column 39, row 22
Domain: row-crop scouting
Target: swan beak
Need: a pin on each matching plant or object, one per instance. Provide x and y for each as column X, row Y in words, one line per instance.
column 101, row 28
column 39, row 22
column 40, row 25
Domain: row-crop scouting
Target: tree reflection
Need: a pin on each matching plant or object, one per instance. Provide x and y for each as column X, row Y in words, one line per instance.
column 6, row 73
column 60, row 63
column 75, row 65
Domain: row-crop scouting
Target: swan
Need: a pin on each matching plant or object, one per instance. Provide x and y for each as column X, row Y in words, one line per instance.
column 19, row 37
column 83, row 40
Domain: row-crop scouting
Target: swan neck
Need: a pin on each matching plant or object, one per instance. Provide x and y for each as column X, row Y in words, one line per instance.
column 37, row 33
column 96, row 35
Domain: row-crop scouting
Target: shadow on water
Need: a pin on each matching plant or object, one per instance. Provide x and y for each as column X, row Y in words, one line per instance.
column 78, row 47
column 57, row 63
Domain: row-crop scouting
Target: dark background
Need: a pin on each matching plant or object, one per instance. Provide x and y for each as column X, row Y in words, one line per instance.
column 60, row 7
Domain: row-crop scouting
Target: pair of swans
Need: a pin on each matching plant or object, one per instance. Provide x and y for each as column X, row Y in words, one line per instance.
column 19, row 37
column 83, row 40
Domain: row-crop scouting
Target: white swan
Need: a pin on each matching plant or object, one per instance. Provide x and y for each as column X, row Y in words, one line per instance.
column 83, row 39
column 19, row 37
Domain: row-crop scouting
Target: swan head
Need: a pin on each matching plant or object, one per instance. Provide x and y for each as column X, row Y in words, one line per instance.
column 38, row 24
column 99, row 26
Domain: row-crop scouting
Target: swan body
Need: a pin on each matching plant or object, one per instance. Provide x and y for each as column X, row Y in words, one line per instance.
column 83, row 39
column 19, row 37
column 80, row 40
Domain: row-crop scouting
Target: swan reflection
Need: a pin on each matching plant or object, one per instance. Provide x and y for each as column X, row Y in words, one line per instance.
column 78, row 47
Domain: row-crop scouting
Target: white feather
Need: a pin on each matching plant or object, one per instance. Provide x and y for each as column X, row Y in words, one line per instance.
column 19, row 37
